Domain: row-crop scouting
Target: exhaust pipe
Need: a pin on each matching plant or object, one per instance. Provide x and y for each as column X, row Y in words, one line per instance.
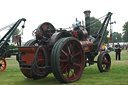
column 87, row 24
column 87, row 20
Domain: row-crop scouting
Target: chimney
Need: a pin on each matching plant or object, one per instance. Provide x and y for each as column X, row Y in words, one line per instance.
column 87, row 20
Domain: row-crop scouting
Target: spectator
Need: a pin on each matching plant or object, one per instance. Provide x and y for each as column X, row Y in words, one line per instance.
column 106, row 48
column 126, row 46
column 103, row 47
column 118, row 51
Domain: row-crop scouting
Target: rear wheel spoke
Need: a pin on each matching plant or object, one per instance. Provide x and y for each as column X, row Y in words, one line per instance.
column 76, row 64
column 61, row 65
column 71, row 48
column 64, row 68
column 73, row 73
column 68, row 73
column 73, row 51
column 76, row 59
column 64, row 60
column 69, row 51
column 64, row 53
column 75, row 54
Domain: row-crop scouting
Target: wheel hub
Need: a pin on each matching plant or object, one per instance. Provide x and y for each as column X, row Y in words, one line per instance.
column 0, row 64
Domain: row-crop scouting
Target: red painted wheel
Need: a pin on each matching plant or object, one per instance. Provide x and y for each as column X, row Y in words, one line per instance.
column 67, row 60
column 104, row 62
column 2, row 64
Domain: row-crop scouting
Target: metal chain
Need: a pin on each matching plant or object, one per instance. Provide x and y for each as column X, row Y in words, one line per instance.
column 7, row 26
column 95, row 21
column 99, row 19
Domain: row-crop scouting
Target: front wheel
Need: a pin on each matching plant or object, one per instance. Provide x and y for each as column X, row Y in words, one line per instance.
column 67, row 60
column 104, row 62
column 2, row 64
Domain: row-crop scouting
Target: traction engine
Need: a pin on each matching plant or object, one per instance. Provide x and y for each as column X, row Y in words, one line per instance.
column 63, row 53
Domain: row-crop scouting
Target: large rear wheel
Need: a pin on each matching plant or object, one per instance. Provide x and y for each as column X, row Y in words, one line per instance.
column 67, row 60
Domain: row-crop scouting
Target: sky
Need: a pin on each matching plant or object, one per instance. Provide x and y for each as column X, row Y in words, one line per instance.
column 61, row 13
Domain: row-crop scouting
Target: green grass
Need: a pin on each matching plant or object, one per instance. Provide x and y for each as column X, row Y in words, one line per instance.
column 117, row 75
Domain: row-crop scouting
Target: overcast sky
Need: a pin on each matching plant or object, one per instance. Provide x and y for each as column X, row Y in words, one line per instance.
column 61, row 13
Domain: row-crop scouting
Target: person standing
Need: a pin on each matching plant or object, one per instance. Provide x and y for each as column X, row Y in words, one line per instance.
column 126, row 46
column 106, row 47
column 118, row 51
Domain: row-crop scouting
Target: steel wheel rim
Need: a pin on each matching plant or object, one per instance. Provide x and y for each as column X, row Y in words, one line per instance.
column 71, row 61
column 106, row 62
column 2, row 64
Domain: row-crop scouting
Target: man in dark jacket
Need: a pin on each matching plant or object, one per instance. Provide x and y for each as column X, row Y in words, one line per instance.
column 118, row 50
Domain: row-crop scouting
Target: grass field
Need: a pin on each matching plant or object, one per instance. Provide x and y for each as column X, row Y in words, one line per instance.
column 117, row 75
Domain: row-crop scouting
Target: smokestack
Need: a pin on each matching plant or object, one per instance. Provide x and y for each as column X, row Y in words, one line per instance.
column 87, row 20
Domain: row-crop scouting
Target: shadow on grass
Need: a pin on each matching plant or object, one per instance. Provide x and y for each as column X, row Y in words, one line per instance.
column 49, row 80
column 88, row 73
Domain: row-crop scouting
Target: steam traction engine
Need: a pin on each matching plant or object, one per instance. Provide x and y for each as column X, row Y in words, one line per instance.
column 63, row 53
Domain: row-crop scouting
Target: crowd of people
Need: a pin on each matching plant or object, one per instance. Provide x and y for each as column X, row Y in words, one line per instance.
column 117, row 49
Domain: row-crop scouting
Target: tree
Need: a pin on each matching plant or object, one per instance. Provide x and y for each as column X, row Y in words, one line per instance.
column 117, row 37
column 17, row 32
column 105, row 40
column 125, row 32
column 94, row 28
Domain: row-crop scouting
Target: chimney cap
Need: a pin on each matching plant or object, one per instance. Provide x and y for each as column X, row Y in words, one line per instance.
column 87, row 11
